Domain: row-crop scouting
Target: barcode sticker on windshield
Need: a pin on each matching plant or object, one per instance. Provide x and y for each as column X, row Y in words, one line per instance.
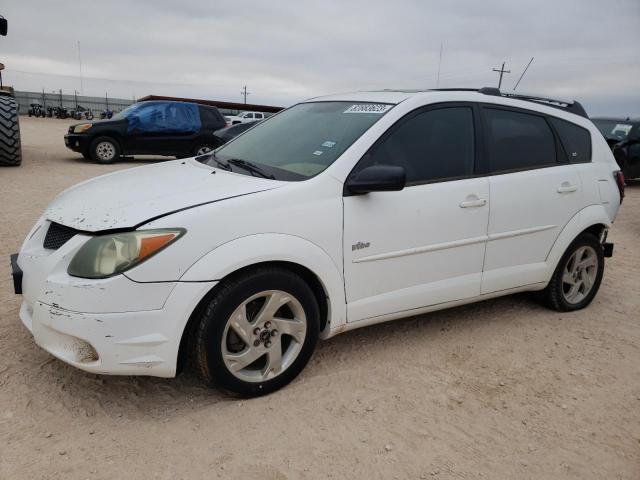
column 368, row 108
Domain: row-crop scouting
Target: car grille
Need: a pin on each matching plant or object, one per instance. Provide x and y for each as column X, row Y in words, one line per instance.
column 58, row 235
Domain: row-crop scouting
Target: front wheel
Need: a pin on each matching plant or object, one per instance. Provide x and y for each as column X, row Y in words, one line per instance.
column 104, row 150
column 577, row 277
column 257, row 332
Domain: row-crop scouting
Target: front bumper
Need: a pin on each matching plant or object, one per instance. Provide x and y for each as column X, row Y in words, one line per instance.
column 125, row 343
column 108, row 326
column 77, row 142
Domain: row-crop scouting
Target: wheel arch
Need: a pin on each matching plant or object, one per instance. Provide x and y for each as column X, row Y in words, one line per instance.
column 307, row 275
column 592, row 219
column 298, row 255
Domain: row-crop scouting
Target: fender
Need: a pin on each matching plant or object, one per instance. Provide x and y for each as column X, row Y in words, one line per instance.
column 585, row 218
column 273, row 247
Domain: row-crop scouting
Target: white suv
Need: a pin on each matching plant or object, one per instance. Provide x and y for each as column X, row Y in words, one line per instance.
column 337, row 213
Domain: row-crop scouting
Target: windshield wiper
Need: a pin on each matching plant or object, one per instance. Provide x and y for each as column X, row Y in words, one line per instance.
column 212, row 154
column 250, row 167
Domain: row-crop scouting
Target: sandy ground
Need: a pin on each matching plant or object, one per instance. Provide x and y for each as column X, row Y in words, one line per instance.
column 501, row 389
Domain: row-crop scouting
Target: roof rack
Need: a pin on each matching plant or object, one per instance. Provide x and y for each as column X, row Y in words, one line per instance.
column 568, row 105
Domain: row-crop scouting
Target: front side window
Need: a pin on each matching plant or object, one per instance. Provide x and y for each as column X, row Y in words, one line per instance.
column 575, row 140
column 304, row 140
column 430, row 146
column 518, row 141
column 164, row 117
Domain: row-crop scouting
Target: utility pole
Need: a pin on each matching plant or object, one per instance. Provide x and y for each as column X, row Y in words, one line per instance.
column 502, row 71
column 80, row 63
column 439, row 63
column 244, row 93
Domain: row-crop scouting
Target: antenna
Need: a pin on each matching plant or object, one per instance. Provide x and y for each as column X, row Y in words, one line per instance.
column 525, row 71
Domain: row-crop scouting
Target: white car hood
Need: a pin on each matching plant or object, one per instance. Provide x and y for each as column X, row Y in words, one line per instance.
column 129, row 198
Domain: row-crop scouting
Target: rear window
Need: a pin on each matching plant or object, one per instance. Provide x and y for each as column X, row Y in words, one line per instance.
column 575, row 140
column 518, row 141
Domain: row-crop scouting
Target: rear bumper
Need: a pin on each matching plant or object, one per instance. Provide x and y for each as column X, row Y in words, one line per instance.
column 16, row 273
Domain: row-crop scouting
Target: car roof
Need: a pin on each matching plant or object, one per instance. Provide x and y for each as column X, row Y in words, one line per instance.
column 527, row 100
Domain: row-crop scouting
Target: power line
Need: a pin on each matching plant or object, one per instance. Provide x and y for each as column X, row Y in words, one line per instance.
column 502, row 72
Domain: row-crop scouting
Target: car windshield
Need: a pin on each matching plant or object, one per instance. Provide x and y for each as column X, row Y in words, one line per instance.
column 613, row 129
column 122, row 114
column 304, row 140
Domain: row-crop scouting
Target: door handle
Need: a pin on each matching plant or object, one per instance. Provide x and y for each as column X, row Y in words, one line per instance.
column 478, row 202
column 566, row 187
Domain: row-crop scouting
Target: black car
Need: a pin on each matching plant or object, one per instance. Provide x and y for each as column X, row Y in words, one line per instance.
column 179, row 129
column 229, row 133
column 623, row 136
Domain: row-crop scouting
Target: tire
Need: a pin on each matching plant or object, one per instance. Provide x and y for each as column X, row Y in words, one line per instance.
column 10, row 150
column 217, row 346
column 104, row 150
column 586, row 280
column 202, row 148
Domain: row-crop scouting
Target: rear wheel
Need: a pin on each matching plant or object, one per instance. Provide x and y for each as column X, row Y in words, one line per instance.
column 257, row 333
column 104, row 150
column 577, row 277
column 202, row 148
column 10, row 150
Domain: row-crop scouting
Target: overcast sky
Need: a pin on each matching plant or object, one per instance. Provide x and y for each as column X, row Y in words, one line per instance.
column 285, row 51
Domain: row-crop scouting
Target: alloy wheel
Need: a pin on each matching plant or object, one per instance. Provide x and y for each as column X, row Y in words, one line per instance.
column 264, row 335
column 579, row 274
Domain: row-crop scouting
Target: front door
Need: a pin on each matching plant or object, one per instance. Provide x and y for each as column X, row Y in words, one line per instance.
column 423, row 245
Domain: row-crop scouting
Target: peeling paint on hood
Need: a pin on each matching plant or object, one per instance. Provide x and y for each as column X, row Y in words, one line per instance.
column 128, row 198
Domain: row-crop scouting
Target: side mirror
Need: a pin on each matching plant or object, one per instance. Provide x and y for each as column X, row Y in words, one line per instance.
column 3, row 26
column 376, row 178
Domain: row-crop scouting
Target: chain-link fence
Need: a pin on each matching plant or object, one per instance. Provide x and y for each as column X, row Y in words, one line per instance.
column 95, row 104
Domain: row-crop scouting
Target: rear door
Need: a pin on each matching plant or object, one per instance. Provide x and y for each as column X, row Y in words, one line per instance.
column 534, row 194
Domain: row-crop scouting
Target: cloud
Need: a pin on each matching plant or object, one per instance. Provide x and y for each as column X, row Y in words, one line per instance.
column 286, row 51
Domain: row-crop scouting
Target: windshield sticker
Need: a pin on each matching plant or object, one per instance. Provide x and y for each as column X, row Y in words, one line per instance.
column 378, row 108
column 318, row 152
column 328, row 144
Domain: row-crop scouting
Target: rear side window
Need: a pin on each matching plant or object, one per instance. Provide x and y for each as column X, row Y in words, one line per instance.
column 518, row 141
column 430, row 146
column 575, row 140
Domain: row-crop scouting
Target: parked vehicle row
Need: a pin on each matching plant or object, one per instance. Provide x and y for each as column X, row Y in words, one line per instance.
column 623, row 136
column 337, row 213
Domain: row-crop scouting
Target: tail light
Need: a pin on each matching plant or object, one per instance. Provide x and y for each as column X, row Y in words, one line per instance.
column 619, row 176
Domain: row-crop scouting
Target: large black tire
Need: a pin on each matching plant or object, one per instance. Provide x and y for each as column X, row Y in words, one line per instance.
column 202, row 148
column 97, row 149
column 555, row 295
column 206, row 342
column 10, row 149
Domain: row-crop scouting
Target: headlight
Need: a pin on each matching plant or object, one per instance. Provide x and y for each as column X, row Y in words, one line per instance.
column 82, row 128
column 107, row 255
